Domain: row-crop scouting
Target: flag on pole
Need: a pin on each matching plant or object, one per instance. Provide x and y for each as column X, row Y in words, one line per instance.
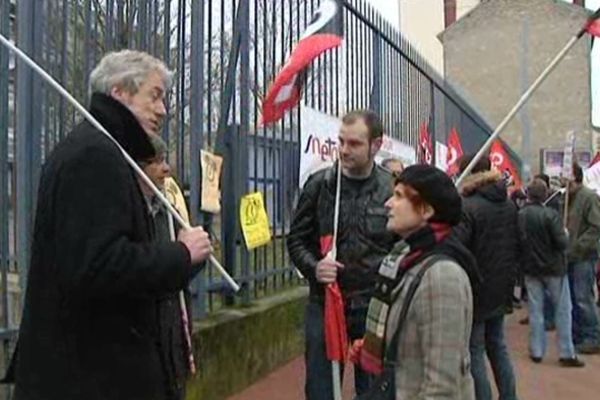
column 336, row 339
column 425, row 145
column 501, row 161
column 455, row 152
column 325, row 32
column 593, row 25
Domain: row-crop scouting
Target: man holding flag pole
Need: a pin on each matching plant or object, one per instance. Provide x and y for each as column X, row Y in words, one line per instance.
column 89, row 328
column 361, row 243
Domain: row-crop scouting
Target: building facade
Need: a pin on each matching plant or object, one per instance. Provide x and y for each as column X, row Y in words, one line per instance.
column 496, row 51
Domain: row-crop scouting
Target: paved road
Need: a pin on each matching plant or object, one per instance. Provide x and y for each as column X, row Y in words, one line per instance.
column 546, row 381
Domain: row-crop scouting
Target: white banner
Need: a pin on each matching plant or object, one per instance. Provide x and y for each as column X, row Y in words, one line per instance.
column 395, row 149
column 591, row 177
column 441, row 152
column 318, row 141
column 567, row 166
column 319, row 144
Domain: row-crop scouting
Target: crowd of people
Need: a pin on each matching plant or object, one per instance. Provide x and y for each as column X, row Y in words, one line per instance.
column 427, row 270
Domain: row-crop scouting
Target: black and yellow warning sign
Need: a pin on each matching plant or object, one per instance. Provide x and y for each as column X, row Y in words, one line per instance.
column 254, row 220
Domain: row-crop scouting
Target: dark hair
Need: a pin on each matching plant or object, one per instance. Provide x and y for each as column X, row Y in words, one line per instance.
column 412, row 195
column 577, row 173
column 483, row 164
column 543, row 177
column 537, row 191
column 370, row 118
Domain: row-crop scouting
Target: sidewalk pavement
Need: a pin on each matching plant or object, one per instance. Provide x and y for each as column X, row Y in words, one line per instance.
column 546, row 381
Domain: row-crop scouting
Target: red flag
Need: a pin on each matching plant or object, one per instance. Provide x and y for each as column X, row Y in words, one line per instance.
column 425, row 146
column 593, row 24
column 500, row 160
column 336, row 338
column 455, row 152
column 323, row 33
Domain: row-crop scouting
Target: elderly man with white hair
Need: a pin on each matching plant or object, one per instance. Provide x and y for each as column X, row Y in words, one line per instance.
column 90, row 327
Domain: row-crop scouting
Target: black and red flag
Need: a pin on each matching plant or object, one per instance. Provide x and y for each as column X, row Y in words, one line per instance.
column 501, row 161
column 593, row 25
column 324, row 32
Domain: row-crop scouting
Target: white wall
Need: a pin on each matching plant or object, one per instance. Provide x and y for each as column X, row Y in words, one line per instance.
column 420, row 22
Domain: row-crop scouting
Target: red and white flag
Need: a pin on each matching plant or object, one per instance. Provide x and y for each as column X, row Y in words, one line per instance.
column 501, row 161
column 326, row 31
column 425, row 146
column 455, row 152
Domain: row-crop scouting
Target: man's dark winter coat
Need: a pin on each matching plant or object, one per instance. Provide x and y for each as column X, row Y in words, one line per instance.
column 90, row 327
column 489, row 229
column 544, row 241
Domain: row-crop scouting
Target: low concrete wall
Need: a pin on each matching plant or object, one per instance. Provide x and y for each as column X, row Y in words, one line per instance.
column 234, row 348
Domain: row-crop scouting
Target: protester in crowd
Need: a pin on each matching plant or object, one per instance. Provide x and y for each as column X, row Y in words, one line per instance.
column 544, row 243
column 393, row 165
column 90, row 328
column 519, row 199
column 177, row 325
column 432, row 325
column 362, row 241
column 554, row 200
column 489, row 229
column 584, row 231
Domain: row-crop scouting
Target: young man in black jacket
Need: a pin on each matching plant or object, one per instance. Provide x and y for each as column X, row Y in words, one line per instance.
column 544, row 264
column 363, row 241
column 90, row 328
column 489, row 229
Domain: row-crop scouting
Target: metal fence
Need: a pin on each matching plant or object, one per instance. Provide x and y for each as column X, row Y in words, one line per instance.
column 224, row 53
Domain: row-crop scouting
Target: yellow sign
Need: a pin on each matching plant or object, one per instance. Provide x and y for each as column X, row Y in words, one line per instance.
column 176, row 198
column 254, row 220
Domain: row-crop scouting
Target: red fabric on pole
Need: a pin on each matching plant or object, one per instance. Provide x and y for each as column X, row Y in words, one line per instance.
column 323, row 33
column 455, row 152
column 500, row 159
column 286, row 90
column 425, row 145
column 336, row 337
column 593, row 24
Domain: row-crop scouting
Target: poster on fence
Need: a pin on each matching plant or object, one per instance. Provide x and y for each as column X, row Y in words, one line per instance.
column 319, row 144
column 211, row 176
column 254, row 220
column 176, row 198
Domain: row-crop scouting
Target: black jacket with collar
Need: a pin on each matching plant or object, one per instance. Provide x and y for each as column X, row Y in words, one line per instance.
column 544, row 241
column 363, row 240
column 489, row 229
column 90, row 327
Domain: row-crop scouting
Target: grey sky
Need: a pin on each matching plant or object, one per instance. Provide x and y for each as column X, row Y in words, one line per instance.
column 389, row 10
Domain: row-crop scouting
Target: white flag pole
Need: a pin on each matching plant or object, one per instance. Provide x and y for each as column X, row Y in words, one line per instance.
column 185, row 318
column 518, row 106
column 24, row 57
column 336, row 376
